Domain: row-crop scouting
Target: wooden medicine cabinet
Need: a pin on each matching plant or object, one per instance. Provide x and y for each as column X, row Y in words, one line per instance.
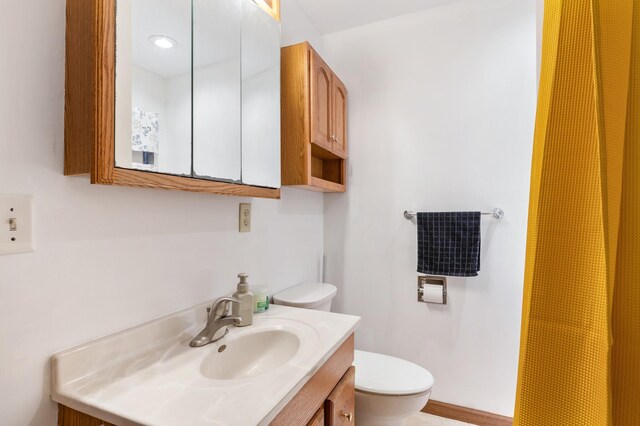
column 314, row 122
column 181, row 95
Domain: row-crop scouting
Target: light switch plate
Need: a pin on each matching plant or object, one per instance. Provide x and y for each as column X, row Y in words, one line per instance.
column 15, row 224
column 245, row 217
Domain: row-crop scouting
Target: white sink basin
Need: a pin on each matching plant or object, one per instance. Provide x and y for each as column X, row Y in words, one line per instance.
column 250, row 355
column 149, row 375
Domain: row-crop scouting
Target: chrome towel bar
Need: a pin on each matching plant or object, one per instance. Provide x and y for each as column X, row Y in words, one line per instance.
column 495, row 213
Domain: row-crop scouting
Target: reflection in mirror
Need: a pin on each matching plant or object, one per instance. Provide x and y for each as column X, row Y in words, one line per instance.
column 153, row 85
column 217, row 145
column 260, row 96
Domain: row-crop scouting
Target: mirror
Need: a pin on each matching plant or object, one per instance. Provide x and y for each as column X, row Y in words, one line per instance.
column 260, row 97
column 217, row 111
column 153, row 86
column 198, row 90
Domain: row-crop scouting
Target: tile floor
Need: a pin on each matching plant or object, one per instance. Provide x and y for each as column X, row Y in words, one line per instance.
column 424, row 419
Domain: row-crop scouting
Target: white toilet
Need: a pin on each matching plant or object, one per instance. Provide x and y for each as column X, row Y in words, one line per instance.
column 388, row 390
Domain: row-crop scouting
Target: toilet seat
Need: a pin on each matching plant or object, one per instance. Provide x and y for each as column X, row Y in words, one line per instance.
column 387, row 375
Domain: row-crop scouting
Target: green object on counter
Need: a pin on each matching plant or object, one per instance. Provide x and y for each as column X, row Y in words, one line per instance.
column 261, row 299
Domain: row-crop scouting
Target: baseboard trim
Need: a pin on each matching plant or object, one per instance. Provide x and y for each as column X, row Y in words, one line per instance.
column 467, row 415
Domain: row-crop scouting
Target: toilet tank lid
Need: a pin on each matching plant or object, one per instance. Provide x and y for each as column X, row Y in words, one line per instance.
column 387, row 375
column 307, row 293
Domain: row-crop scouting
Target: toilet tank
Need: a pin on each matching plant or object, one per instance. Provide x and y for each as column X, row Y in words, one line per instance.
column 316, row 296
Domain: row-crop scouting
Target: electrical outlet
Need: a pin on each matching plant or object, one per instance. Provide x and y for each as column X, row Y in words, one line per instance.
column 245, row 217
column 15, row 224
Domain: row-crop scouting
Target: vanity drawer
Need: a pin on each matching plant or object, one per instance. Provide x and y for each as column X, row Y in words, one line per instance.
column 340, row 405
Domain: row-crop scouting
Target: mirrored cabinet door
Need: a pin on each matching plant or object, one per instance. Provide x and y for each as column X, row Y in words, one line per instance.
column 217, row 89
column 153, row 86
column 260, row 96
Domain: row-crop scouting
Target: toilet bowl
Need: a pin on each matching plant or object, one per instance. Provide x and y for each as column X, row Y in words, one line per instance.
column 388, row 390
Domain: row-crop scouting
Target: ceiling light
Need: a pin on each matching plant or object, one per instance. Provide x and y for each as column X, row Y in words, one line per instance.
column 163, row 42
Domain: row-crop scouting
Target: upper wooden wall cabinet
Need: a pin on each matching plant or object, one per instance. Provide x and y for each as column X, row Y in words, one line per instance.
column 314, row 122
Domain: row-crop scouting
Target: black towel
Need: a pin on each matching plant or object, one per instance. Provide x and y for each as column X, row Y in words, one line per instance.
column 449, row 243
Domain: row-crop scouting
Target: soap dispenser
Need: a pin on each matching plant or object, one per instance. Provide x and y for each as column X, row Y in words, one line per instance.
column 244, row 309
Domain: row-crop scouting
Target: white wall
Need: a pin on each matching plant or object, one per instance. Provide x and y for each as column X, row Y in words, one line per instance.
column 297, row 27
column 441, row 118
column 107, row 257
column 540, row 22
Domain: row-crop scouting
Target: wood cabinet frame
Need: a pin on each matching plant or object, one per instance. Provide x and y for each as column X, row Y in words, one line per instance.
column 272, row 7
column 89, row 115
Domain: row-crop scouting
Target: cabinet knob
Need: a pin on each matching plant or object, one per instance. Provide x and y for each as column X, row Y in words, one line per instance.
column 333, row 138
column 349, row 416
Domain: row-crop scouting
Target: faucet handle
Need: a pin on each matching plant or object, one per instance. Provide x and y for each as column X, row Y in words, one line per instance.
column 237, row 319
column 220, row 307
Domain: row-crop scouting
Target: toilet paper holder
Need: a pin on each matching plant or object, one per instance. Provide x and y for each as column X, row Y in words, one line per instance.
column 430, row 281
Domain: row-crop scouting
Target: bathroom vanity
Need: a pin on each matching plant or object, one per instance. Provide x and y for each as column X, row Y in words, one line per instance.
column 291, row 367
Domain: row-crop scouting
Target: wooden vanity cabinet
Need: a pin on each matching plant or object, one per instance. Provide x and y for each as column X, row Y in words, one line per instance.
column 70, row 417
column 340, row 406
column 318, row 418
column 328, row 395
column 314, row 122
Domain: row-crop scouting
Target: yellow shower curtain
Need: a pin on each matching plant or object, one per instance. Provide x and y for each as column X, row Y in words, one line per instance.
column 580, row 344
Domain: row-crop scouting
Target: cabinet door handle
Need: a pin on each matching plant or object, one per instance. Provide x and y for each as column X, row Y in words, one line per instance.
column 349, row 416
column 333, row 138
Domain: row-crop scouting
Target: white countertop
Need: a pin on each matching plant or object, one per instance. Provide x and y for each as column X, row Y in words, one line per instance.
column 149, row 375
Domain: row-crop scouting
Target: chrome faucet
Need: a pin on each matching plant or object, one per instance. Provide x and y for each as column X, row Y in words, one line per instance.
column 217, row 322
